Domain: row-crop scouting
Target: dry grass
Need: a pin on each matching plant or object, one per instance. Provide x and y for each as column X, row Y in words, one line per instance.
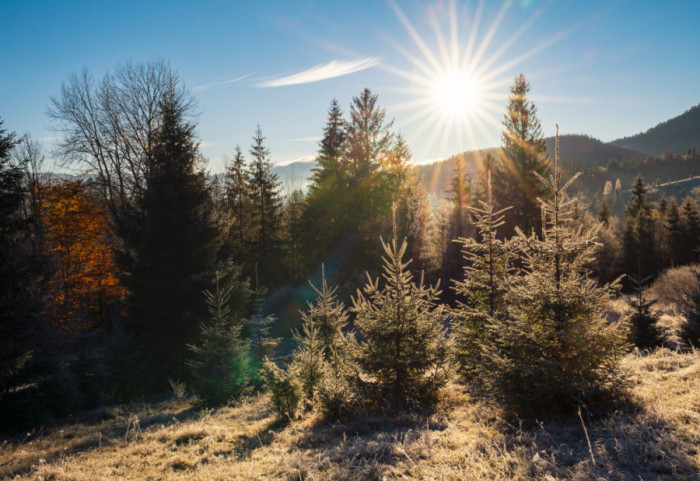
column 465, row 438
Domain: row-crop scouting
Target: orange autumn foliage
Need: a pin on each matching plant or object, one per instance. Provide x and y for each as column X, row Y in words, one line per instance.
column 84, row 283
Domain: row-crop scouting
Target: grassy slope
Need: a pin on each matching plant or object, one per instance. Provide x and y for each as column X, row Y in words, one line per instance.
column 464, row 439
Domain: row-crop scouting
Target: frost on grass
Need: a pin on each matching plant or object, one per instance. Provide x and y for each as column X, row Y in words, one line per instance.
column 463, row 438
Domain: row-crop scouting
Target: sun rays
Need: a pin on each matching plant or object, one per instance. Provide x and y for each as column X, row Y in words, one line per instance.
column 458, row 77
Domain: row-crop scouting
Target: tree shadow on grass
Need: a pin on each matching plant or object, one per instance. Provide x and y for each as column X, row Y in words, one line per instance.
column 85, row 432
column 366, row 446
column 627, row 444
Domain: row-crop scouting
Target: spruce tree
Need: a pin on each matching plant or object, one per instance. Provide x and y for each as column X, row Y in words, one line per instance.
column 265, row 204
column 645, row 331
column 174, row 249
column 321, row 366
column 487, row 261
column 525, row 158
column 638, row 236
column 331, row 151
column 293, row 233
column 553, row 348
column 674, row 234
column 461, row 198
column 238, row 239
column 263, row 345
column 328, row 316
column 405, row 352
column 219, row 363
column 371, row 181
column 19, row 309
column 328, row 195
column 604, row 211
column 690, row 239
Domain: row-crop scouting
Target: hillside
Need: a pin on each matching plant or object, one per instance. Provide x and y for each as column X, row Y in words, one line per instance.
column 656, row 437
column 294, row 175
column 588, row 152
column 578, row 152
column 677, row 135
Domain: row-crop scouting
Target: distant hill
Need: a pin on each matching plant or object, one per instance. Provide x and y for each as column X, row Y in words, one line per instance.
column 577, row 152
column 588, row 151
column 294, row 175
column 677, row 135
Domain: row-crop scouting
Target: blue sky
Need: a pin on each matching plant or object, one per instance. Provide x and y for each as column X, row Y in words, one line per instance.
column 603, row 68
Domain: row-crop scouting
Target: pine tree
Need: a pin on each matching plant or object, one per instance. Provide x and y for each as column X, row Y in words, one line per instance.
column 324, row 219
column 19, row 311
column 553, row 348
column 405, row 351
column 461, row 198
column 524, row 151
column 372, row 183
column 263, row 345
column 368, row 137
column 321, row 365
column 487, row 262
column 174, row 250
column 645, row 331
column 331, row 151
column 238, row 239
column 219, row 363
column 674, row 234
column 328, row 316
column 293, row 233
column 604, row 211
column 638, row 237
column 265, row 204
column 690, row 239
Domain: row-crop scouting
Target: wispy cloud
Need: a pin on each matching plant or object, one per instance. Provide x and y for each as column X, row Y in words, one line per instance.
column 46, row 139
column 305, row 139
column 336, row 68
column 208, row 144
column 222, row 82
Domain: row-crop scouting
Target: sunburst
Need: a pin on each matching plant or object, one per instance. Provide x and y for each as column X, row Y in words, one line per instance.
column 458, row 90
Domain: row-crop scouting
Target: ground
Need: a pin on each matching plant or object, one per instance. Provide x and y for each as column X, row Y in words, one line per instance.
column 657, row 436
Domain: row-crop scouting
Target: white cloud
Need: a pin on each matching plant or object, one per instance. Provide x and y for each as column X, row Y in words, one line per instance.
column 305, row 139
column 208, row 144
column 336, row 68
column 222, row 82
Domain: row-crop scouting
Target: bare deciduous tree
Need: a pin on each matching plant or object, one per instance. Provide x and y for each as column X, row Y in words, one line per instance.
column 108, row 126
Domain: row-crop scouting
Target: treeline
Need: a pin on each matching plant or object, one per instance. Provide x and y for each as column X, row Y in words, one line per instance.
column 149, row 272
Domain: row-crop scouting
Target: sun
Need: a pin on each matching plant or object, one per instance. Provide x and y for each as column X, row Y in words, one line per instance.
column 456, row 95
column 455, row 84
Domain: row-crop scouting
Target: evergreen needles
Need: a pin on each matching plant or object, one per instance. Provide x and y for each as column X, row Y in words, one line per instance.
column 405, row 353
column 219, row 364
column 552, row 348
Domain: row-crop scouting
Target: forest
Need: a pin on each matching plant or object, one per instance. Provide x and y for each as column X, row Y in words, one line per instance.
column 143, row 276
